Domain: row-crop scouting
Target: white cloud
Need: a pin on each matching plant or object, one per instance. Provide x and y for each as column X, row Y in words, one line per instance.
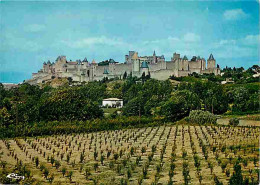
column 251, row 40
column 34, row 27
column 242, row 47
column 248, row 40
column 191, row 37
column 11, row 40
column 103, row 46
column 31, row 46
column 188, row 44
column 235, row 14
column 173, row 39
column 87, row 42
column 222, row 43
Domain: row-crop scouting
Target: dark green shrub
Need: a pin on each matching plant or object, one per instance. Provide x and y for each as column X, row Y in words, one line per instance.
column 201, row 117
column 234, row 122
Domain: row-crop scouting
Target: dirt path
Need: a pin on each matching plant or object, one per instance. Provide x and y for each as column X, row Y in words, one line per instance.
column 242, row 122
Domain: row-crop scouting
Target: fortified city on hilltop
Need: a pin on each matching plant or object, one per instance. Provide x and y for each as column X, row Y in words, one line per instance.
column 156, row 66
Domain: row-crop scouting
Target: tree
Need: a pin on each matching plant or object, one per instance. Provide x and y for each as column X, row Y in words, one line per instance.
column 36, row 161
column 179, row 105
column 52, row 160
column 81, row 157
column 233, row 121
column 95, row 166
column 125, row 75
column 63, row 171
column 237, row 177
column 51, row 178
column 57, row 164
column 143, row 150
column 241, row 96
column 253, row 102
column 143, row 76
column 116, row 156
column 102, row 159
column 46, row 173
column 214, row 98
column 148, row 76
column 87, row 173
column 134, row 107
column 70, row 175
column 68, row 104
column 69, row 80
column 201, row 117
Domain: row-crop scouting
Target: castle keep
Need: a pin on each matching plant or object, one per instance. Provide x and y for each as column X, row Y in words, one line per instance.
column 156, row 66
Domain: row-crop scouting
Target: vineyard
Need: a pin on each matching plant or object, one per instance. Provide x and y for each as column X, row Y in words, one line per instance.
column 152, row 155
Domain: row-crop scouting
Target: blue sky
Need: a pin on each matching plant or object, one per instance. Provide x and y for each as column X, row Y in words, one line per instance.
column 36, row 31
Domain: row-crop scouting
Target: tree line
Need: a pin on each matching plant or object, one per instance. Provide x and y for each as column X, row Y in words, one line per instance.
column 28, row 105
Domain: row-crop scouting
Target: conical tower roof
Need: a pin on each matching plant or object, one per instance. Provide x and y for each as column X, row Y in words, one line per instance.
column 144, row 65
column 211, row 57
column 111, row 61
column 185, row 58
column 85, row 59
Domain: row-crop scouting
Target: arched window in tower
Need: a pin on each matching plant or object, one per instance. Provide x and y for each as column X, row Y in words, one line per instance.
column 88, row 72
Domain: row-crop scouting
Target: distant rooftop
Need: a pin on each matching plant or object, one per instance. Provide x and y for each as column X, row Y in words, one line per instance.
column 211, row 57
column 144, row 65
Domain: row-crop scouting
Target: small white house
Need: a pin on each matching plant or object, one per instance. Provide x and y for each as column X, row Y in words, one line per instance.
column 256, row 75
column 112, row 102
column 227, row 81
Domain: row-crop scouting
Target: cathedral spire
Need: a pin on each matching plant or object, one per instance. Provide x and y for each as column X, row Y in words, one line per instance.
column 154, row 53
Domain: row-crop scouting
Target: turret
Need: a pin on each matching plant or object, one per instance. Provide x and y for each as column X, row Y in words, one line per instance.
column 85, row 60
column 61, row 59
column 203, row 66
column 111, row 61
column 93, row 62
column 144, row 68
column 202, row 62
column 111, row 64
column 93, row 66
column 185, row 58
column 211, row 63
column 184, row 64
column 45, row 67
column 129, row 57
column 154, row 58
column 105, row 73
column 176, row 56
column 135, row 63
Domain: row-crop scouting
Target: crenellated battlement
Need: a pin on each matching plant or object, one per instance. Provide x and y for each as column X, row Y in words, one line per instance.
column 135, row 65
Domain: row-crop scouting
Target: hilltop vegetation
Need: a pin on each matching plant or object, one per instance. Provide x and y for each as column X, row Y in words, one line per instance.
column 29, row 106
